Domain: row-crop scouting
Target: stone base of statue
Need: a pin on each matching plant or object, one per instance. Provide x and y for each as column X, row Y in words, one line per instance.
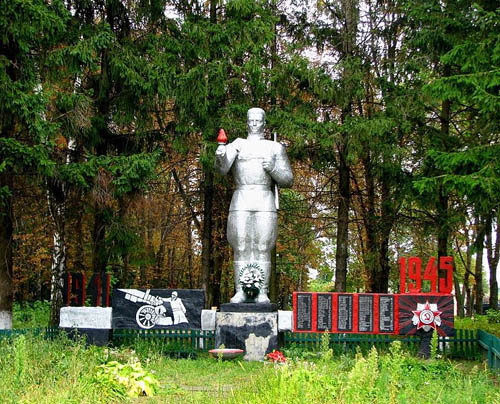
column 254, row 332
column 248, row 308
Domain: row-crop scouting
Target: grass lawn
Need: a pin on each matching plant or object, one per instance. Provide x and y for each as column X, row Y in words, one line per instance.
column 203, row 380
column 34, row 370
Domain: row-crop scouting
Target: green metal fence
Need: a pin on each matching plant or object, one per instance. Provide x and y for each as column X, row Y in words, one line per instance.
column 344, row 343
column 48, row 332
column 183, row 340
column 491, row 344
column 464, row 344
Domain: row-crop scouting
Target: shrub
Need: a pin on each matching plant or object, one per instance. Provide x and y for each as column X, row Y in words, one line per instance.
column 489, row 322
column 31, row 315
column 120, row 380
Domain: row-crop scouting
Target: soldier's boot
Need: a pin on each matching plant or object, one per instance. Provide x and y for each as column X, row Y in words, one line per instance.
column 240, row 296
column 262, row 296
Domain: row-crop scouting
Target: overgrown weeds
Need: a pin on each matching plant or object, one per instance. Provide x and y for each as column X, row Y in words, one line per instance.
column 36, row 370
column 396, row 377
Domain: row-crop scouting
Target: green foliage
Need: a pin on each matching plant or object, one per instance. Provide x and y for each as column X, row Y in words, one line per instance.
column 157, row 348
column 478, row 57
column 38, row 370
column 325, row 351
column 130, row 379
column 392, row 378
column 62, row 371
column 434, row 345
column 360, row 386
column 473, row 173
column 31, row 315
column 488, row 322
column 493, row 316
column 319, row 285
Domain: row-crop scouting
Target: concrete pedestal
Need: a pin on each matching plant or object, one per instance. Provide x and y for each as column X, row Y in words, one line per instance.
column 255, row 333
column 93, row 322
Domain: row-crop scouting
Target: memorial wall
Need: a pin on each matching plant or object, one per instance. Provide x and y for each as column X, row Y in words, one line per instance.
column 378, row 313
column 372, row 313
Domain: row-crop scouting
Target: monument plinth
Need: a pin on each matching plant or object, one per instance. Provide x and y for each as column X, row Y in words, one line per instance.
column 255, row 333
column 248, row 308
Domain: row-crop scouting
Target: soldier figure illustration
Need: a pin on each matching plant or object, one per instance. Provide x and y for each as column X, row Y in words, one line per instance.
column 257, row 164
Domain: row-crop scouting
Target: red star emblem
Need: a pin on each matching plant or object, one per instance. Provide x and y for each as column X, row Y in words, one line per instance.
column 426, row 316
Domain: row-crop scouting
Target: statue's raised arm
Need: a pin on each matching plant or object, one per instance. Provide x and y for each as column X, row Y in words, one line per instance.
column 256, row 165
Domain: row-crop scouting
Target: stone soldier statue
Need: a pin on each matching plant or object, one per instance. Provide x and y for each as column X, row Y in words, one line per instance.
column 257, row 164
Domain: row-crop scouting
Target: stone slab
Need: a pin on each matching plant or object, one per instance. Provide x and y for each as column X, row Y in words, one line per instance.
column 255, row 333
column 208, row 320
column 85, row 317
column 155, row 308
column 5, row 320
column 248, row 308
column 285, row 320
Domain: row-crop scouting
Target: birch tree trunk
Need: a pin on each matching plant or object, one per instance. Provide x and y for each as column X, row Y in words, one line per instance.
column 56, row 198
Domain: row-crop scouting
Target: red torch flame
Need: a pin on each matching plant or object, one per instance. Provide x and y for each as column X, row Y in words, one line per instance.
column 222, row 138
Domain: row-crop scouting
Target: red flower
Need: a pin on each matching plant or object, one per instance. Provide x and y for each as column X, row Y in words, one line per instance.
column 276, row 356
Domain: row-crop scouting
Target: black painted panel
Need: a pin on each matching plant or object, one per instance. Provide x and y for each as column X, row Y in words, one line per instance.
column 158, row 308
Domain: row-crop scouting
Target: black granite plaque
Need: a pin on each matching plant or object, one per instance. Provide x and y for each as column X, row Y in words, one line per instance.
column 158, row 308
column 386, row 314
column 304, row 311
column 365, row 313
column 324, row 312
column 344, row 313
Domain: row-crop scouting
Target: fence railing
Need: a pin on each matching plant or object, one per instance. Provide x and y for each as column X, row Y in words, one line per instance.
column 48, row 332
column 183, row 340
column 491, row 344
column 463, row 344
column 344, row 343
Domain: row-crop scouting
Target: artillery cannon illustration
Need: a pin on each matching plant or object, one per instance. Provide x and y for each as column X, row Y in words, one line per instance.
column 154, row 311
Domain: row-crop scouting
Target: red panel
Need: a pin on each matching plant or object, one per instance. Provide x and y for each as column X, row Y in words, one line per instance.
column 354, row 312
column 314, row 312
column 294, row 297
column 334, row 312
column 334, row 315
column 376, row 328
